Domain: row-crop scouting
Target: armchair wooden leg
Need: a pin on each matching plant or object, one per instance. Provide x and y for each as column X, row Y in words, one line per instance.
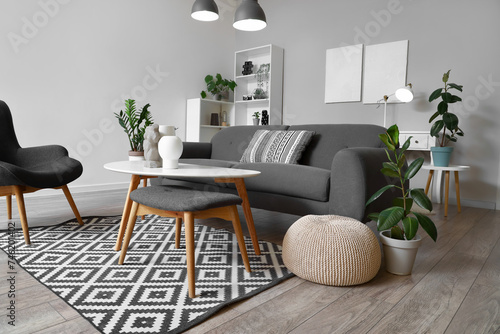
column 144, row 184
column 72, row 204
column 18, row 191
column 128, row 233
column 189, row 235
column 178, row 227
column 9, row 206
column 239, row 235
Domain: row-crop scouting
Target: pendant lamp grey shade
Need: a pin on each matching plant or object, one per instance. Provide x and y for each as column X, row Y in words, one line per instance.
column 205, row 10
column 249, row 16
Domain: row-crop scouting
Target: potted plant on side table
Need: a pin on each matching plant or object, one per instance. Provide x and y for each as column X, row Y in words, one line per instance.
column 218, row 87
column 131, row 120
column 398, row 224
column 447, row 122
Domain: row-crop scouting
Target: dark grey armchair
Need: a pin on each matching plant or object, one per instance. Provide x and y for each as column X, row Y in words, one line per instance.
column 25, row 170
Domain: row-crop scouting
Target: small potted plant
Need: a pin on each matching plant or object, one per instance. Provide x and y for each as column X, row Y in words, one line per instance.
column 262, row 76
column 256, row 118
column 218, row 87
column 134, row 124
column 447, row 122
column 398, row 224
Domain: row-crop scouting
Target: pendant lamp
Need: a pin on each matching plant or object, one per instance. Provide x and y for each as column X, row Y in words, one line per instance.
column 205, row 10
column 249, row 16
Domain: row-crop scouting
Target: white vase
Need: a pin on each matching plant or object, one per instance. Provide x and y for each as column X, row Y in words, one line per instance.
column 399, row 254
column 169, row 147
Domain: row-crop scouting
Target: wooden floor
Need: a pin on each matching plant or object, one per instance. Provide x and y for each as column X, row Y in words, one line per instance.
column 454, row 288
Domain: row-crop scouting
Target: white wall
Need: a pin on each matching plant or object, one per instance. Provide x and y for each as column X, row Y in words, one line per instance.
column 64, row 84
column 64, row 77
column 446, row 34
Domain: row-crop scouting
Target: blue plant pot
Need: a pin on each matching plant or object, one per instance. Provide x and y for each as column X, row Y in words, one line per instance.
column 441, row 155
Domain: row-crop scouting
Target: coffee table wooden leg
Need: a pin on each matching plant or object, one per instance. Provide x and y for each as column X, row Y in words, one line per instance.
column 429, row 179
column 134, row 183
column 447, row 192
column 457, row 190
column 242, row 192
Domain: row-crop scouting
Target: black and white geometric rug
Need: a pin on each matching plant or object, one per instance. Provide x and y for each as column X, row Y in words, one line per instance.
column 148, row 294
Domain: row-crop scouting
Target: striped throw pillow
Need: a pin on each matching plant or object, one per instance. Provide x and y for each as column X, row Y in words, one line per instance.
column 276, row 146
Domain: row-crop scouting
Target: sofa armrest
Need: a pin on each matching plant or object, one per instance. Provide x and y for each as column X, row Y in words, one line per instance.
column 355, row 178
column 193, row 150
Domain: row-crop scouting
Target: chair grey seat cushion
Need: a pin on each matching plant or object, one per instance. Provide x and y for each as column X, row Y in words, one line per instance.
column 45, row 174
column 177, row 198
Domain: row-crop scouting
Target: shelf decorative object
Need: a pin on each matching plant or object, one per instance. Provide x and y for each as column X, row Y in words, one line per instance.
column 265, row 118
column 247, row 68
column 262, row 75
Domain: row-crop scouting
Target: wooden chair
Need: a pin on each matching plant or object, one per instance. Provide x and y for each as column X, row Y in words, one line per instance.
column 185, row 205
column 25, row 170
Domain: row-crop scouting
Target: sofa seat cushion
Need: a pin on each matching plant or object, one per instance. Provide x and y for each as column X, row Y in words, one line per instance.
column 288, row 179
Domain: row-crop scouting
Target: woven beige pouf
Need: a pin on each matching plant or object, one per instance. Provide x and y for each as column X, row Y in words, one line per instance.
column 331, row 250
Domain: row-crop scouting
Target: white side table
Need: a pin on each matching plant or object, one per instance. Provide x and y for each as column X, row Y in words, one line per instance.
column 446, row 170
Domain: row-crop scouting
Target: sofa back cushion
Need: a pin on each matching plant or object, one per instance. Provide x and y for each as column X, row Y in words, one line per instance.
column 230, row 143
column 331, row 138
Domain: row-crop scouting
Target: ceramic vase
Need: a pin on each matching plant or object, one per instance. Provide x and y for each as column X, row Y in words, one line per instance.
column 135, row 155
column 441, row 155
column 169, row 147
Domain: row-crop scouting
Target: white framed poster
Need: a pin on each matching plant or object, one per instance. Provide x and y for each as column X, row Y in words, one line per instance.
column 344, row 67
column 385, row 69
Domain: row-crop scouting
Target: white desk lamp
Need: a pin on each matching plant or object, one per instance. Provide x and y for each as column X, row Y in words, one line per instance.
column 403, row 94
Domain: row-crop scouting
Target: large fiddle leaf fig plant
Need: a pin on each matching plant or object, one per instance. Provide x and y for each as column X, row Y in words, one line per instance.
column 399, row 218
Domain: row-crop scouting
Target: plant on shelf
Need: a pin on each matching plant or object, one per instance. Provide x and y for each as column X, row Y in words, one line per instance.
column 262, row 76
column 398, row 221
column 218, row 87
column 131, row 120
column 256, row 118
column 448, row 121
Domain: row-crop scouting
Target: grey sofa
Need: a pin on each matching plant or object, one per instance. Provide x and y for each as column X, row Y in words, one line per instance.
column 338, row 172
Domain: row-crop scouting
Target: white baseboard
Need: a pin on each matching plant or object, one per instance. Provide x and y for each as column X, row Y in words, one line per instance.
column 81, row 189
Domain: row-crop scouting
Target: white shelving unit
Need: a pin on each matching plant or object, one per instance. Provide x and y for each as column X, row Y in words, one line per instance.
column 198, row 128
column 199, row 111
column 246, row 84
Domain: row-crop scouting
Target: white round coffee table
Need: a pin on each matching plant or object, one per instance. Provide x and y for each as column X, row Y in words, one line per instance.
column 446, row 170
column 220, row 174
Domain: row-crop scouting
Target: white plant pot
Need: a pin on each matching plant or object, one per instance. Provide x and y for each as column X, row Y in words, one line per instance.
column 135, row 156
column 399, row 254
column 170, row 149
